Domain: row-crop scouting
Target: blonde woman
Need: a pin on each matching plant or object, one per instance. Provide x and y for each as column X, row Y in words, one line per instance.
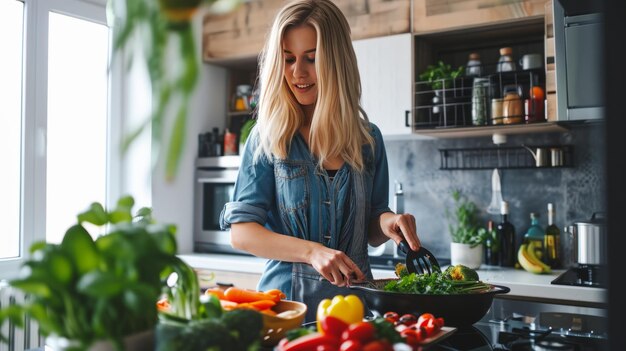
column 312, row 189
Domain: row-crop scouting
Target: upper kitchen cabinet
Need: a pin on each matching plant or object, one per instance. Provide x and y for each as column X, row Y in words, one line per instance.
column 239, row 36
column 385, row 68
column 430, row 16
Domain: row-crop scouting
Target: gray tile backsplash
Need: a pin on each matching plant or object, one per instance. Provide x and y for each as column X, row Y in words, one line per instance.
column 577, row 192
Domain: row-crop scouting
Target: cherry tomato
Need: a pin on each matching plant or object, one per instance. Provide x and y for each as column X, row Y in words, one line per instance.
column 350, row 345
column 391, row 316
column 412, row 337
column 407, row 319
column 333, row 326
column 423, row 318
column 360, row 331
column 326, row 347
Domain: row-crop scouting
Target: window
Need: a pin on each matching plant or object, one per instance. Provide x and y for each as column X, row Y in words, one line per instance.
column 11, row 23
column 55, row 127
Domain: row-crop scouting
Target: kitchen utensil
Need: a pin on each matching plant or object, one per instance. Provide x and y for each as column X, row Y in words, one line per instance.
column 496, row 193
column 590, row 239
column 421, row 261
column 456, row 309
column 540, row 155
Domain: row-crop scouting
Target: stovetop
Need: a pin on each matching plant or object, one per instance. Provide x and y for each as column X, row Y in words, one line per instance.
column 551, row 331
column 583, row 275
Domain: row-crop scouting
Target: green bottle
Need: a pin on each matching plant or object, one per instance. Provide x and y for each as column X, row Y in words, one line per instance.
column 534, row 235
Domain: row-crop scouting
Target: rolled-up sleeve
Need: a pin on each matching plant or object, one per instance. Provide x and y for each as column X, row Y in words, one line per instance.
column 380, row 190
column 254, row 192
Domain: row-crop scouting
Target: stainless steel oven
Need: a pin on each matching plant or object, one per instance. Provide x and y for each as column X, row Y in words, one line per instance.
column 214, row 186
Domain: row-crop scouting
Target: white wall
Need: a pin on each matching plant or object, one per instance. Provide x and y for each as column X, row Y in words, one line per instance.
column 172, row 202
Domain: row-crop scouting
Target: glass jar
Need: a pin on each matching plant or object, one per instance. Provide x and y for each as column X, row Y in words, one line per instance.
column 242, row 97
column 480, row 98
column 496, row 110
column 473, row 67
column 534, row 106
column 506, row 63
column 512, row 107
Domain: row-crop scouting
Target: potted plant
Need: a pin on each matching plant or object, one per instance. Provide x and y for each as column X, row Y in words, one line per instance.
column 440, row 75
column 85, row 292
column 467, row 235
column 154, row 27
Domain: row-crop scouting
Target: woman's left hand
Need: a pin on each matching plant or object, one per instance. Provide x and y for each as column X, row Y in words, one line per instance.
column 400, row 226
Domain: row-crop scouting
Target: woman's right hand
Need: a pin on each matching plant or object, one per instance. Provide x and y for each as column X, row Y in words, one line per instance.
column 335, row 266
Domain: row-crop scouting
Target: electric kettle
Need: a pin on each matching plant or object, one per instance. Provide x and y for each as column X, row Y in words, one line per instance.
column 589, row 239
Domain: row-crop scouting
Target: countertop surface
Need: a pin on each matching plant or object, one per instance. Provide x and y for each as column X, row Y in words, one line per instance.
column 523, row 285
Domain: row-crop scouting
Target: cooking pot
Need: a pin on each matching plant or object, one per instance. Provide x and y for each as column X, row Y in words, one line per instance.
column 589, row 238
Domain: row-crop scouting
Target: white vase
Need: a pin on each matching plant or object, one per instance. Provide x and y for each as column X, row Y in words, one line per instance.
column 143, row 341
column 466, row 255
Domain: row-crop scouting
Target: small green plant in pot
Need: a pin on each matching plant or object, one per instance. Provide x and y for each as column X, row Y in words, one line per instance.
column 86, row 291
column 440, row 75
column 466, row 232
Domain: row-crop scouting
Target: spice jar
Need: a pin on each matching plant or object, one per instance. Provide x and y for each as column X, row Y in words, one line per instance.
column 496, row 110
column 473, row 65
column 534, row 106
column 512, row 108
column 506, row 63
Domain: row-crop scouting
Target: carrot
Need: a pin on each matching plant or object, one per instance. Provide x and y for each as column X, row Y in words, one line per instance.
column 243, row 295
column 228, row 305
column 276, row 292
column 219, row 293
column 262, row 304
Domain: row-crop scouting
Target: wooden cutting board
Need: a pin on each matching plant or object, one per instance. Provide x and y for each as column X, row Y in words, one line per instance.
column 443, row 333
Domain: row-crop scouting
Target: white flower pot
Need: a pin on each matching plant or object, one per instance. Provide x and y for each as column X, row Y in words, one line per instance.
column 466, row 255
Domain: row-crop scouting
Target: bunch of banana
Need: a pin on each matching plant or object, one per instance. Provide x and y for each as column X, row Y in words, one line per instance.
column 529, row 261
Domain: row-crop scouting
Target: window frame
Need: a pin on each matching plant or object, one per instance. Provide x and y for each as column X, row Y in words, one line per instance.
column 34, row 119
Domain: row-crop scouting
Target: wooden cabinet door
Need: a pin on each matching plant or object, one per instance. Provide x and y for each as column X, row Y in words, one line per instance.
column 385, row 68
column 241, row 34
column 430, row 16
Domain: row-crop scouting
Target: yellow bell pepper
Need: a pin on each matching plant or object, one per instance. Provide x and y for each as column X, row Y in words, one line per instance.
column 349, row 309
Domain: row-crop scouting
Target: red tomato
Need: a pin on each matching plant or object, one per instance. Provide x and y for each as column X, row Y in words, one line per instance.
column 391, row 316
column 378, row 345
column 440, row 322
column 407, row 319
column 412, row 337
column 333, row 326
column 424, row 318
column 360, row 331
column 311, row 342
column 350, row 345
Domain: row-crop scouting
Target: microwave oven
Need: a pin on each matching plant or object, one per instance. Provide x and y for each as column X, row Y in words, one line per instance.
column 214, row 185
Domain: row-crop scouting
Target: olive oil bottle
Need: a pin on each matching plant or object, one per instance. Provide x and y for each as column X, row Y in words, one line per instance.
column 552, row 241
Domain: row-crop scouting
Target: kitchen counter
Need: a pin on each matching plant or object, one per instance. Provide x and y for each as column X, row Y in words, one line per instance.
column 523, row 285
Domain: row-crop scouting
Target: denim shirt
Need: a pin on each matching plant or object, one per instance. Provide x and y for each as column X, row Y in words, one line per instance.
column 294, row 197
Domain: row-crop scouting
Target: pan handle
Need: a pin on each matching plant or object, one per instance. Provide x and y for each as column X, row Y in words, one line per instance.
column 503, row 289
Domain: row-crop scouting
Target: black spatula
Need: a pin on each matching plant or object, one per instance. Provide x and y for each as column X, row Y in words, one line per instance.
column 421, row 261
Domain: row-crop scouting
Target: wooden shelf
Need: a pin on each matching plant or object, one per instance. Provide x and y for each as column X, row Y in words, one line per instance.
column 480, row 131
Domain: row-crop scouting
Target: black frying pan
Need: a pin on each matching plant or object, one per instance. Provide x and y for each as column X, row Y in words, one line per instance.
column 456, row 309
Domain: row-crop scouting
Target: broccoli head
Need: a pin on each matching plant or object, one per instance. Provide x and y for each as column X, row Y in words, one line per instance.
column 461, row 273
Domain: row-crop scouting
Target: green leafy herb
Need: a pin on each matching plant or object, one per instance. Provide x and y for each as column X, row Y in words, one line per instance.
column 440, row 75
column 464, row 223
column 435, row 284
column 87, row 290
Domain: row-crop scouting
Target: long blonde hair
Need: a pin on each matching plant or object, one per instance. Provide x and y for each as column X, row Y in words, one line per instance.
column 339, row 126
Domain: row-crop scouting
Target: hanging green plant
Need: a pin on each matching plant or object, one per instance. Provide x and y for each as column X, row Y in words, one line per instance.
column 155, row 26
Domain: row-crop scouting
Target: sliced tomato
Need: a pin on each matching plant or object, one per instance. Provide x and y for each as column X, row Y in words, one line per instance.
column 407, row 319
column 360, row 331
column 440, row 322
column 392, row 317
column 423, row 319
